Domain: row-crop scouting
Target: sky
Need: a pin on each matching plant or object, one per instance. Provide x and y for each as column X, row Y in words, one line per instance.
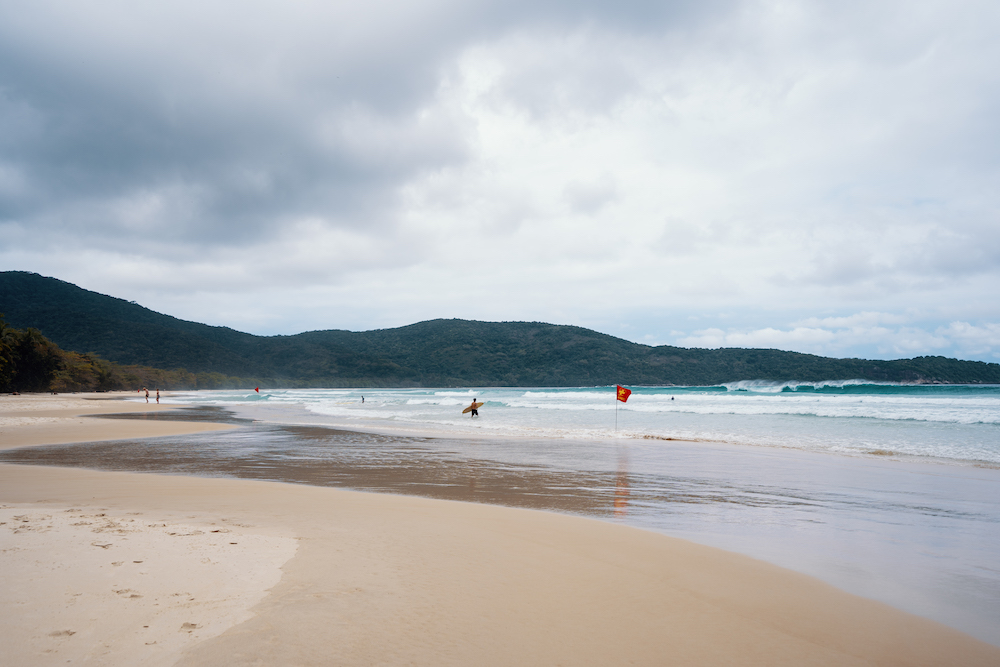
column 811, row 176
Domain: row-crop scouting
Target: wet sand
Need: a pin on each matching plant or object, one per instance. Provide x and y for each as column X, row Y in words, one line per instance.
column 344, row 577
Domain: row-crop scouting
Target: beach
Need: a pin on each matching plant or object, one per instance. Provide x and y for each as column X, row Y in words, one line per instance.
column 124, row 568
column 44, row 419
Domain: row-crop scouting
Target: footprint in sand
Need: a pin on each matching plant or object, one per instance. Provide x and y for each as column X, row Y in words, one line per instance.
column 126, row 592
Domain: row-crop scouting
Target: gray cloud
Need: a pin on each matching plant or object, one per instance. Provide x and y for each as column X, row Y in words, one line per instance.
column 287, row 167
column 245, row 113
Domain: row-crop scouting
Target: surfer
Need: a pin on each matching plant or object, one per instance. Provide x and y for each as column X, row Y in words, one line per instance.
column 474, row 406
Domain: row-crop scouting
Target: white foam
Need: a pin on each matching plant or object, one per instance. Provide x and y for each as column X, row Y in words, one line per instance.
column 918, row 422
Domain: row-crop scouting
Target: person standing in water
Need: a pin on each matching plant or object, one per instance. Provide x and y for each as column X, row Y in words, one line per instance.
column 475, row 411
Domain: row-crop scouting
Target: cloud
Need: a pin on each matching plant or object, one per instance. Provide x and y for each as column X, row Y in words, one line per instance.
column 858, row 320
column 823, row 173
column 589, row 198
column 977, row 341
column 880, row 334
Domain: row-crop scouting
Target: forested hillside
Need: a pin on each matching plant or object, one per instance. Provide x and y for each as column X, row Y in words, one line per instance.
column 30, row 362
column 432, row 353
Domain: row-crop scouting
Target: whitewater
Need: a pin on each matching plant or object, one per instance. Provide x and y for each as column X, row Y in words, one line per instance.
column 954, row 424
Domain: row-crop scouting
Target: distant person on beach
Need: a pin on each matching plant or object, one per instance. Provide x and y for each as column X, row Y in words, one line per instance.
column 475, row 412
column 157, row 395
column 147, row 394
column 362, row 399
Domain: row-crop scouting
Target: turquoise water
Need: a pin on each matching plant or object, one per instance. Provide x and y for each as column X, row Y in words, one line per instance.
column 956, row 424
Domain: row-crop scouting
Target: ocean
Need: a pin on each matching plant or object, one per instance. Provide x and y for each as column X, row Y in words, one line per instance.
column 887, row 491
column 955, row 424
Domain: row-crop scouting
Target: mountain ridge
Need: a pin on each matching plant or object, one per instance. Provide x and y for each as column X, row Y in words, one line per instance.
column 441, row 352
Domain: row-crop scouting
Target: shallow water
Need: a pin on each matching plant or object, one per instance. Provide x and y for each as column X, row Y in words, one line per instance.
column 920, row 536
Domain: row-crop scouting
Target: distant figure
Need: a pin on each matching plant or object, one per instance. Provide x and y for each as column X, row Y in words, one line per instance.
column 671, row 398
column 147, row 394
column 362, row 399
column 475, row 411
column 157, row 395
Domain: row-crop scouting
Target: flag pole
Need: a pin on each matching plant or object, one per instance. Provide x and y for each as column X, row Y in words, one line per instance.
column 621, row 394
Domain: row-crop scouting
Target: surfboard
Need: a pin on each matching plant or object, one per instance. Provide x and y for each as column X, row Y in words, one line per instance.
column 474, row 406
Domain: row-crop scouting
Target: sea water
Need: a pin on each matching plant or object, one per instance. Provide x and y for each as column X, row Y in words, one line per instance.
column 958, row 424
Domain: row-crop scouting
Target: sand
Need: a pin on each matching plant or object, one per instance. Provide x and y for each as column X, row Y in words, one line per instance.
column 99, row 585
column 325, row 576
column 47, row 419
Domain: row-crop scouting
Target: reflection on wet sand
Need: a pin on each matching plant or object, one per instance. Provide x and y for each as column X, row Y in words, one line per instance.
column 329, row 457
column 621, row 484
column 433, row 467
column 204, row 413
column 446, row 468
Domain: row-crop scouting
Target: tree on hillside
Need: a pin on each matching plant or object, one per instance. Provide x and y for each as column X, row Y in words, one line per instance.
column 37, row 360
column 6, row 355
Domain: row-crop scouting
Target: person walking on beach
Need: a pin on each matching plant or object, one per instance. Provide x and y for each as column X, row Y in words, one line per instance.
column 157, row 395
column 147, row 394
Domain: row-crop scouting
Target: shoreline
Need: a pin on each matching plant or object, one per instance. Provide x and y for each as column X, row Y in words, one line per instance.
column 385, row 578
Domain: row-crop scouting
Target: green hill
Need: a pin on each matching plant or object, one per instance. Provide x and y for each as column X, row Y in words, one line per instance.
column 432, row 353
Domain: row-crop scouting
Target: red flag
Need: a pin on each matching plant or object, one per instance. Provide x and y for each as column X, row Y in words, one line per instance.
column 257, row 390
column 623, row 393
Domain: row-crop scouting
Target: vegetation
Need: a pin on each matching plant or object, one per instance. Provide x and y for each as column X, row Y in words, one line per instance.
column 433, row 353
column 29, row 362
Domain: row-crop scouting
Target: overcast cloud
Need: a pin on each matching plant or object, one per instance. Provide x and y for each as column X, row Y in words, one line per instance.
column 811, row 176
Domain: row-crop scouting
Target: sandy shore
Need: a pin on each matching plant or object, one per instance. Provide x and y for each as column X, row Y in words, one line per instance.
column 120, row 568
column 45, row 419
